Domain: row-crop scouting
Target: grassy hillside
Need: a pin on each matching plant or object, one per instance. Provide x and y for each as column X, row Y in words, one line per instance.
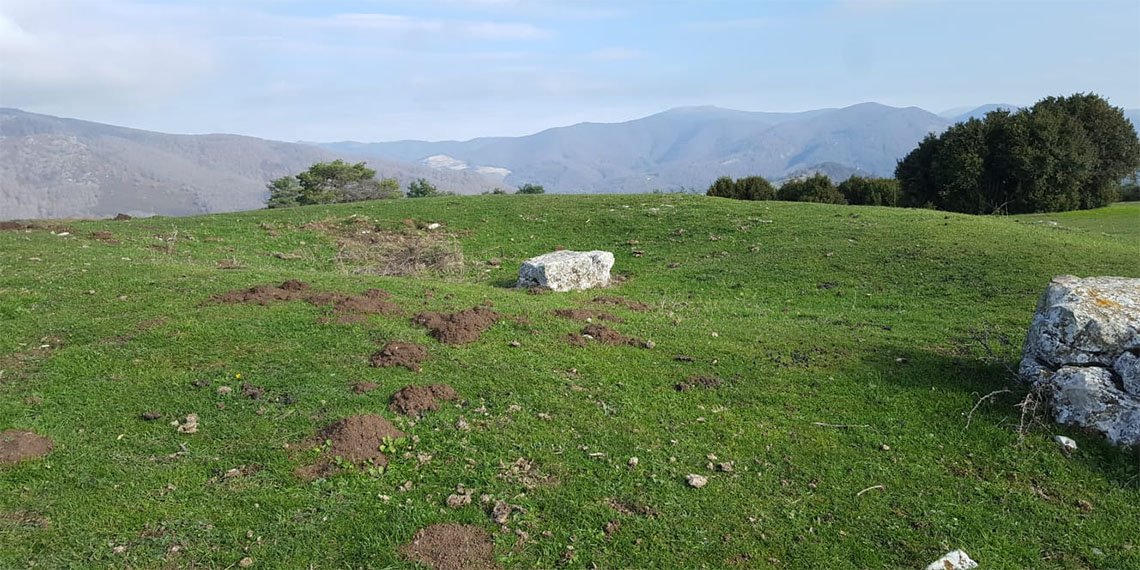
column 1122, row 220
column 809, row 314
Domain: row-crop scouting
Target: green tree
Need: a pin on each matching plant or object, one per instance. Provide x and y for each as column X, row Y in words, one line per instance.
column 862, row 191
column 723, row 187
column 1063, row 153
column 815, row 188
column 531, row 189
column 328, row 183
column 421, row 188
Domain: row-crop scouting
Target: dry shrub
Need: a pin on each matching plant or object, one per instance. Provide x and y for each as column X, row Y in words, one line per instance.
column 365, row 248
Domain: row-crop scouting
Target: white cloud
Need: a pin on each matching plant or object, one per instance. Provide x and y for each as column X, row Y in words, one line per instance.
column 53, row 53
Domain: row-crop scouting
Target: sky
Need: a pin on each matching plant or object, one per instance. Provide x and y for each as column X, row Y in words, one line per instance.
column 374, row 70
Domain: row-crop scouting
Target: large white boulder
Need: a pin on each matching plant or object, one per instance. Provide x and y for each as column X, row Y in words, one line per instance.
column 567, row 270
column 953, row 560
column 1083, row 349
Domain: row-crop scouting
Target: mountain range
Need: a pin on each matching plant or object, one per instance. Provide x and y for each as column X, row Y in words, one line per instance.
column 55, row 167
column 52, row 167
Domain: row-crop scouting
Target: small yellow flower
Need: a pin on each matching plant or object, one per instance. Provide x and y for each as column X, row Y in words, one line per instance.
column 237, row 375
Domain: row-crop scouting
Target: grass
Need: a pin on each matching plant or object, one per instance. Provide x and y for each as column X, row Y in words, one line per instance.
column 810, row 313
column 1118, row 220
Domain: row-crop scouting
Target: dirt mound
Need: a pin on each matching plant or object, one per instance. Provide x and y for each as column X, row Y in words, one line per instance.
column 637, row 306
column 701, row 381
column 356, row 439
column 586, row 315
column 610, row 336
column 575, row 339
column 371, row 249
column 398, row 353
column 371, row 302
column 450, row 546
column 364, row 387
column 122, row 217
column 18, row 445
column 415, row 400
column 458, row 328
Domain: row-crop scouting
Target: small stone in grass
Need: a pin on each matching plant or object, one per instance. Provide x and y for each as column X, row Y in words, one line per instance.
column 246, row 562
column 1067, row 444
column 223, row 390
column 696, row 481
column 633, row 462
column 884, row 447
column 150, row 416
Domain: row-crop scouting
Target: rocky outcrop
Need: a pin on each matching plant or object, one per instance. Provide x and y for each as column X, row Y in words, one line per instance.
column 567, row 270
column 1083, row 352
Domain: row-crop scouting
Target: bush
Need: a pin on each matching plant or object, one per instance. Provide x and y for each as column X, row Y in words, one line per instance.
column 816, row 188
column 747, row 188
column 531, row 189
column 330, row 183
column 861, row 191
column 421, row 188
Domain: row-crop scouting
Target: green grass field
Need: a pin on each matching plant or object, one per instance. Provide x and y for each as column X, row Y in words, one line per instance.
column 810, row 314
column 1121, row 220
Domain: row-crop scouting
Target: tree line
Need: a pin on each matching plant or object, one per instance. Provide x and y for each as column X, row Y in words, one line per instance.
column 1063, row 153
column 339, row 182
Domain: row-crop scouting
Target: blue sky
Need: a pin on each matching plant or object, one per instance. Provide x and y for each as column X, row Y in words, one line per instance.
column 377, row 70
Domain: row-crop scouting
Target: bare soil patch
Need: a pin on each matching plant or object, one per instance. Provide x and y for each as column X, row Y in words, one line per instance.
column 702, row 381
column 415, row 400
column 586, row 315
column 366, row 248
column 610, row 336
column 450, row 546
column 13, row 226
column 458, row 328
column 356, row 439
column 398, row 353
column 575, row 339
column 18, row 445
column 27, row 519
column 372, row 301
column 636, row 306
column 105, row 237
column 364, row 387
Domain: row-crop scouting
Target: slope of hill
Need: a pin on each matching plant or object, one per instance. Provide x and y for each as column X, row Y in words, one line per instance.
column 820, row 366
column 52, row 167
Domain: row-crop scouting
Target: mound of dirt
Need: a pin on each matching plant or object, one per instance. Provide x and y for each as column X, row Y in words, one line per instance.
column 415, row 400
column 371, row 302
column 575, row 339
column 586, row 315
column 636, row 306
column 356, row 439
column 701, row 381
column 122, row 217
column 609, row 336
column 398, row 353
column 364, row 387
column 450, row 546
column 458, row 328
column 18, row 445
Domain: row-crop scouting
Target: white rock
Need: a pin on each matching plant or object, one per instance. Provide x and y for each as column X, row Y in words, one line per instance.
column 953, row 560
column 1066, row 443
column 633, row 462
column 696, row 481
column 1083, row 349
column 567, row 270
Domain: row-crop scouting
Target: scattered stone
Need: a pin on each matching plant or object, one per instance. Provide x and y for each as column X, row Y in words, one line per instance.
column 398, row 353
column 458, row 328
column 246, row 562
column 1082, row 351
column 953, row 560
column 224, row 390
column 461, row 498
column 190, row 425
column 450, row 546
column 151, row 416
column 524, row 472
column 18, row 445
column 567, row 270
column 1067, row 444
column 633, row 461
column 696, row 481
column 884, row 447
column 725, row 467
column 501, row 512
column 415, row 400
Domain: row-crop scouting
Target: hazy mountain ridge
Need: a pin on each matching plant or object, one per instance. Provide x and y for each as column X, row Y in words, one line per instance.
column 52, row 167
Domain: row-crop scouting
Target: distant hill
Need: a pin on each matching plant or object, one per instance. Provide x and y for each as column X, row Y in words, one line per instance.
column 687, row 147
column 52, row 167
